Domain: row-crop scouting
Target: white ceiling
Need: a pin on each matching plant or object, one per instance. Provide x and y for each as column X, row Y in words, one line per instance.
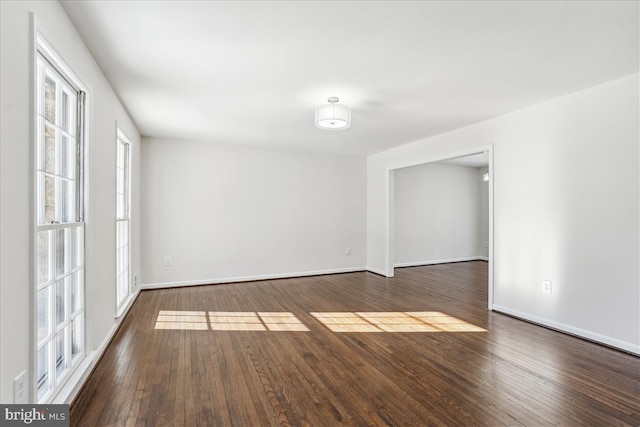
column 252, row 72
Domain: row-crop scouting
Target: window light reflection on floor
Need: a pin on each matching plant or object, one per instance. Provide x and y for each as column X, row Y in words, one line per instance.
column 250, row 321
column 235, row 321
column 189, row 320
column 422, row 321
column 229, row 321
column 386, row 321
column 345, row 322
column 277, row 321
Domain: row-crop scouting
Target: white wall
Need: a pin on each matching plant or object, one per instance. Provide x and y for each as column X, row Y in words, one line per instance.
column 566, row 208
column 437, row 214
column 16, row 173
column 225, row 212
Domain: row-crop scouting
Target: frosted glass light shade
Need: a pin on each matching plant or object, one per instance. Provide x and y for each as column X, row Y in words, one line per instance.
column 333, row 116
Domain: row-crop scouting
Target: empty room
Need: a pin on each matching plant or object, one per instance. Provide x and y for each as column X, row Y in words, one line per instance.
column 320, row 213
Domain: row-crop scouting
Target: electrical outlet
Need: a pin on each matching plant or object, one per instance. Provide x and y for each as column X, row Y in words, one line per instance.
column 20, row 391
column 347, row 251
column 135, row 280
column 546, row 286
column 167, row 261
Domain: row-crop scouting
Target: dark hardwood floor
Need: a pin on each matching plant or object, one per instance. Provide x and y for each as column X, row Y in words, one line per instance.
column 282, row 365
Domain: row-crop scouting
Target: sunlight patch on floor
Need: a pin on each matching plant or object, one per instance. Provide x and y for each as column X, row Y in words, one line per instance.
column 276, row 321
column 235, row 321
column 188, row 320
column 345, row 322
column 229, row 321
column 385, row 321
column 251, row 321
column 389, row 321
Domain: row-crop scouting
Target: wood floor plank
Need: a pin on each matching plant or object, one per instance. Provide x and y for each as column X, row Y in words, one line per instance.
column 513, row 373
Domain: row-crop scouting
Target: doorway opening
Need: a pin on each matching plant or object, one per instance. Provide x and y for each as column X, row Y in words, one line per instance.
column 461, row 241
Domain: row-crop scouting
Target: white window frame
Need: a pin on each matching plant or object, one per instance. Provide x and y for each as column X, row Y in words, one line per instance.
column 124, row 290
column 48, row 64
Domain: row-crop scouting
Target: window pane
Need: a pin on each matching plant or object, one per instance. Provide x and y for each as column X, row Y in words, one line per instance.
column 61, row 360
column 125, row 258
column 42, row 255
column 120, row 205
column 60, row 302
column 79, row 244
column 50, row 100
column 120, row 155
column 64, row 155
column 43, row 314
column 49, row 148
column 65, row 111
column 120, row 295
column 60, row 252
column 122, row 257
column 64, row 202
column 68, row 201
column 73, row 293
column 40, row 199
column 43, row 371
column 78, row 279
column 71, row 120
column 119, row 181
column 76, row 337
column 49, row 199
column 71, row 155
column 72, row 247
column 120, row 233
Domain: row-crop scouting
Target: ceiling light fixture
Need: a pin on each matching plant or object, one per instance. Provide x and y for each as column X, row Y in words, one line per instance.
column 332, row 116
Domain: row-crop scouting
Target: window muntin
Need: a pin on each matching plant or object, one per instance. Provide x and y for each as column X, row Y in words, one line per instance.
column 59, row 228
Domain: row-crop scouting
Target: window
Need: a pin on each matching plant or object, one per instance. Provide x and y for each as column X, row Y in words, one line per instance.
column 58, row 224
column 123, row 288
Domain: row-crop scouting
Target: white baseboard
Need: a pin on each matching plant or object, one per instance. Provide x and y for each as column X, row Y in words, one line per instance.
column 592, row 336
column 439, row 261
column 250, row 278
column 77, row 380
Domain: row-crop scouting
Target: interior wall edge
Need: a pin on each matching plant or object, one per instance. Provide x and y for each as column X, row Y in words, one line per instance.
column 377, row 271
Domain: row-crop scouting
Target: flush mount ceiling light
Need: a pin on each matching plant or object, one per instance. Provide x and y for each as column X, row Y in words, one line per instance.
column 332, row 116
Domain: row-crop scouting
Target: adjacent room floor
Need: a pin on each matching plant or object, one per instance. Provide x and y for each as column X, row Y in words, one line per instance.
column 351, row 349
